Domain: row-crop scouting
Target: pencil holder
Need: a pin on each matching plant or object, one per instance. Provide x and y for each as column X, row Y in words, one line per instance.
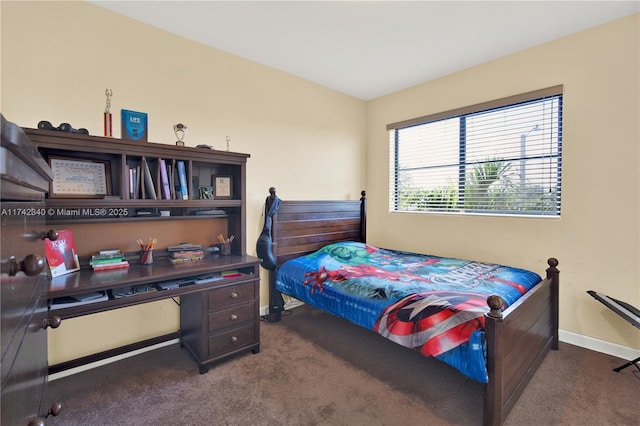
column 225, row 249
column 146, row 257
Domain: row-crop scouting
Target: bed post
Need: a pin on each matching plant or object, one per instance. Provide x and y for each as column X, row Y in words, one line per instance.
column 363, row 216
column 554, row 275
column 276, row 302
column 494, row 330
column 505, row 327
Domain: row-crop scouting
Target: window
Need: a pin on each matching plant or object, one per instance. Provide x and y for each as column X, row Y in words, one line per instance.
column 501, row 157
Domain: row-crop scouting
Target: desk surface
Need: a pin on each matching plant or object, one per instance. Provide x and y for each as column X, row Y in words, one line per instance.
column 86, row 281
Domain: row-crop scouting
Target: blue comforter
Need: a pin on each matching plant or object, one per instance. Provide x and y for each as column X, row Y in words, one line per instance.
column 431, row 304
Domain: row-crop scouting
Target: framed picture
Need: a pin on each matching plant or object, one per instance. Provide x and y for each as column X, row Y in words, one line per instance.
column 222, row 187
column 76, row 178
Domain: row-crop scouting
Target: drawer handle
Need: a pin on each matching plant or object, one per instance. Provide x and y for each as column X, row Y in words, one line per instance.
column 31, row 265
column 234, row 295
column 55, row 409
column 233, row 338
column 53, row 322
column 51, row 234
column 233, row 317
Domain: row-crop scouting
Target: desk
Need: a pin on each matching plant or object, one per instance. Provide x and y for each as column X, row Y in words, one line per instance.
column 217, row 319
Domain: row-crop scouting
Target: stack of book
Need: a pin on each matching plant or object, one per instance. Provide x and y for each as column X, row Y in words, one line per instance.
column 107, row 260
column 185, row 253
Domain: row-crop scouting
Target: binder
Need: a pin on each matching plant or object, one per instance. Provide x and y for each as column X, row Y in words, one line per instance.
column 166, row 189
column 182, row 175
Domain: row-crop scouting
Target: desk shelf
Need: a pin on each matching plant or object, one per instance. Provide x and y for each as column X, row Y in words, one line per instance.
column 125, row 196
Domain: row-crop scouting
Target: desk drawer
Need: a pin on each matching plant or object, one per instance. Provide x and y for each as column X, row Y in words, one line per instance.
column 231, row 317
column 224, row 343
column 231, row 295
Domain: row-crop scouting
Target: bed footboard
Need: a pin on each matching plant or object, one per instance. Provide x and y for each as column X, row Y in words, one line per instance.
column 517, row 341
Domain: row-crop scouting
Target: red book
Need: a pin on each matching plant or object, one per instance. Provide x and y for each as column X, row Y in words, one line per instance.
column 233, row 273
column 110, row 266
column 62, row 256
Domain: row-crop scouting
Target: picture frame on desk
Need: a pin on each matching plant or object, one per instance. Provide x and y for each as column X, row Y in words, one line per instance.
column 222, row 187
column 79, row 178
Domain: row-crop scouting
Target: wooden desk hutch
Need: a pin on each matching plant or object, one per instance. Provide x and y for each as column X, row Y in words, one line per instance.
column 217, row 319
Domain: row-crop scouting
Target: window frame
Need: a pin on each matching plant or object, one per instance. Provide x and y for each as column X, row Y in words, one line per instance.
column 463, row 112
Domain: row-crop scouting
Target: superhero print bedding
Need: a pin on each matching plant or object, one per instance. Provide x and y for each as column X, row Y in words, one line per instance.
column 431, row 304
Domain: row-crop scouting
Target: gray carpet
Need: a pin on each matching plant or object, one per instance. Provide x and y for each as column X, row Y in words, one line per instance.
column 314, row 369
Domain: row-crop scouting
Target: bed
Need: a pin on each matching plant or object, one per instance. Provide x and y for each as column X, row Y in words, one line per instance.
column 316, row 251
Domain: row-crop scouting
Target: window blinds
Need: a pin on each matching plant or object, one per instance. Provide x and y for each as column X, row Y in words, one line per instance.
column 499, row 157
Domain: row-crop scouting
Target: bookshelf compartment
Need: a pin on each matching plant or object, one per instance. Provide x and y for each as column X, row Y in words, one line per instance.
column 204, row 175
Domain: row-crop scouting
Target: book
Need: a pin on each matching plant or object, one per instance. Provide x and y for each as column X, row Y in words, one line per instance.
column 207, row 278
column 81, row 299
column 164, row 178
column 172, row 284
column 187, row 253
column 61, row 254
column 167, row 285
column 172, row 190
column 178, row 260
column 107, row 256
column 129, row 184
column 232, row 273
column 151, row 192
column 185, row 247
column 134, row 182
column 134, row 125
column 110, row 266
column 102, row 261
column 213, row 212
column 107, row 260
column 182, row 176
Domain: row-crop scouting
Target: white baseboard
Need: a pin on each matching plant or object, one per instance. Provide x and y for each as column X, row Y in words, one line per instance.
column 106, row 361
column 598, row 345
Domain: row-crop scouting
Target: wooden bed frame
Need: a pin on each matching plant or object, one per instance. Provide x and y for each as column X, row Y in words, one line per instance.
column 517, row 338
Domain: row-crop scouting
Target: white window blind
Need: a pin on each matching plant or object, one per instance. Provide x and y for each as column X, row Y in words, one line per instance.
column 500, row 157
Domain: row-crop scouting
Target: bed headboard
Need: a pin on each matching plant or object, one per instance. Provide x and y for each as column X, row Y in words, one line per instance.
column 302, row 227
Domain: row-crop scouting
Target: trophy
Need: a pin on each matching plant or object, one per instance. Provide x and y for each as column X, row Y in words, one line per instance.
column 108, row 123
column 180, row 130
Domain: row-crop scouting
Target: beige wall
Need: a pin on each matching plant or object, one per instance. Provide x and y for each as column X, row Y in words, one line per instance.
column 309, row 142
column 597, row 238
column 59, row 57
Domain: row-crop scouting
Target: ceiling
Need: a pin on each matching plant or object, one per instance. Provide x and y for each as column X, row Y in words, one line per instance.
column 368, row 49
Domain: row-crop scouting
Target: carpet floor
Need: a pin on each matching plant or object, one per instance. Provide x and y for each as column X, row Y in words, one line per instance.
column 315, row 369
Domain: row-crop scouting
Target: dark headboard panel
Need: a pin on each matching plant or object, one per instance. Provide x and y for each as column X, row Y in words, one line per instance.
column 302, row 227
